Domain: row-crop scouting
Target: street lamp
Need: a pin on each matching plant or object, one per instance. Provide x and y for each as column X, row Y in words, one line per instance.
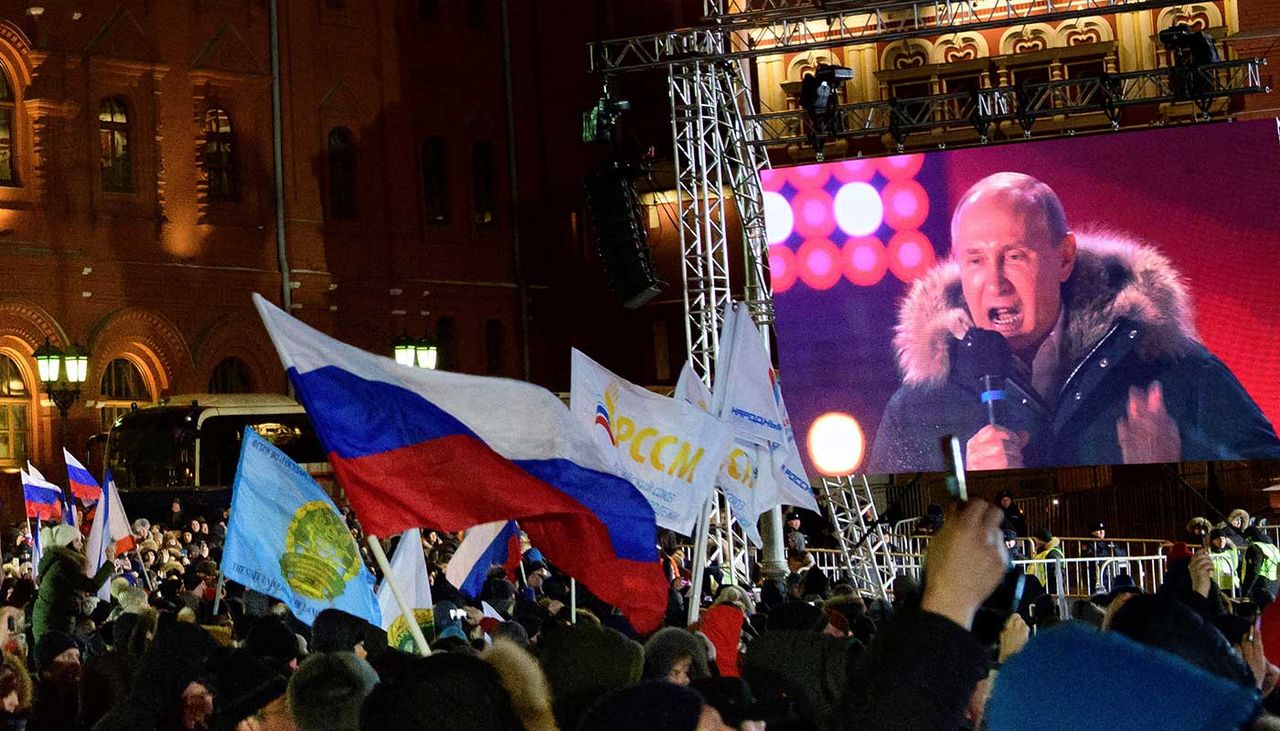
column 416, row 352
column 62, row 373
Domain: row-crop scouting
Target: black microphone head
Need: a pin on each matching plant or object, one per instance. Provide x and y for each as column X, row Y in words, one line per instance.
column 981, row 353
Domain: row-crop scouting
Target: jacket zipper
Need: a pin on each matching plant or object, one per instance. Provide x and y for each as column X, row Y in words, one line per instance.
column 1088, row 357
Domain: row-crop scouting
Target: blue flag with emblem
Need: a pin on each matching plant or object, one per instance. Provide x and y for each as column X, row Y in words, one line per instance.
column 286, row 539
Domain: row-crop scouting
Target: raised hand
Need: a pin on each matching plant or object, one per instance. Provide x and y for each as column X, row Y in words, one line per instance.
column 965, row 563
column 1146, row 432
column 995, row 448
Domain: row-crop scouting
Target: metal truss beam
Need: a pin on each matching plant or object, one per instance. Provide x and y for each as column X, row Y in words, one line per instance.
column 800, row 29
column 1109, row 94
column 864, row 546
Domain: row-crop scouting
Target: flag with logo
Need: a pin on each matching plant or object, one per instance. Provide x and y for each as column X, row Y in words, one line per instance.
column 739, row 473
column 421, row 448
column 409, row 570
column 749, row 396
column 286, row 539
column 110, row 527
column 668, row 449
column 81, row 481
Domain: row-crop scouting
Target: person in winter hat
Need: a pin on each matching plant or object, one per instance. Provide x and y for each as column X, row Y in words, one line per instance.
column 63, row 582
column 446, row 690
column 584, row 663
column 168, row 690
column 676, row 656
column 328, row 690
column 525, row 683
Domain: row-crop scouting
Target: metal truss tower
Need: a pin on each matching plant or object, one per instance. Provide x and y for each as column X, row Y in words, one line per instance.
column 719, row 140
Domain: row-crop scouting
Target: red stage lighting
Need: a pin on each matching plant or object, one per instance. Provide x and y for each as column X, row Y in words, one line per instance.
column 910, row 255
column 850, row 171
column 815, row 214
column 906, row 204
column 819, row 263
column 901, row 167
column 809, row 177
column 782, row 268
column 865, row 261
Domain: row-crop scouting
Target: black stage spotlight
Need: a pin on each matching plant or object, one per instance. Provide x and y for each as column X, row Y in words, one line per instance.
column 818, row 97
column 1189, row 50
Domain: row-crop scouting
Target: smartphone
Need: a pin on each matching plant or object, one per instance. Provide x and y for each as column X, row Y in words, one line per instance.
column 957, row 487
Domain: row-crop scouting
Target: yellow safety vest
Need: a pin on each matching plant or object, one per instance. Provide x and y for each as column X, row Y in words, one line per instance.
column 1042, row 570
column 1270, row 560
column 1224, row 567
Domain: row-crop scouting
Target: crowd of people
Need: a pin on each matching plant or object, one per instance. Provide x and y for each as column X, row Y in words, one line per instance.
column 807, row 651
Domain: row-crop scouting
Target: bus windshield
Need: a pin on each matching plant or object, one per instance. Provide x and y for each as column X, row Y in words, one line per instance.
column 220, row 438
column 153, row 449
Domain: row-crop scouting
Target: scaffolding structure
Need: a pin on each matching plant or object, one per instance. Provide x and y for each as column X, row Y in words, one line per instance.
column 719, row 140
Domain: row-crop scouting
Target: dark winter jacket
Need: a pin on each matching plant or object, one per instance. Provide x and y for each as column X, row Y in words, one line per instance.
column 62, row 585
column 917, row 675
column 1129, row 322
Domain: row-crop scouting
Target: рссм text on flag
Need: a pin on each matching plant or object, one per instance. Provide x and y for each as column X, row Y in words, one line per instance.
column 419, row 448
column 670, row 450
column 286, row 539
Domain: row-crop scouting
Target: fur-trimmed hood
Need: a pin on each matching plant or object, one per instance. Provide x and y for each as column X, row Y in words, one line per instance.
column 1114, row 277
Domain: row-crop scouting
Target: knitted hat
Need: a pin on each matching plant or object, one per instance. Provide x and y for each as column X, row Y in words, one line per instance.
column 583, row 663
column 1030, row 685
column 1217, row 533
column 52, row 644
column 271, row 639
column 1044, row 534
column 327, row 691
column 646, row 707
column 337, row 631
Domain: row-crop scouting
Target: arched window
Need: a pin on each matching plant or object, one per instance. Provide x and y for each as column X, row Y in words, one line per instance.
column 495, row 337
column 219, row 160
column 435, row 181
column 121, row 388
column 113, row 141
column 342, row 173
column 8, row 148
column 446, row 336
column 15, row 400
column 231, row 375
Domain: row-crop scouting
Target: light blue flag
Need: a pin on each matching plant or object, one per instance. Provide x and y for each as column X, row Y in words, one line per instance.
column 286, row 539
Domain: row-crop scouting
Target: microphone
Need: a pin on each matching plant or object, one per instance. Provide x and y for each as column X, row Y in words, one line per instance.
column 983, row 357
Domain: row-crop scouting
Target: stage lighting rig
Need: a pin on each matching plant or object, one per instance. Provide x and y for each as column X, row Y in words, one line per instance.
column 820, row 99
column 601, row 123
column 1189, row 50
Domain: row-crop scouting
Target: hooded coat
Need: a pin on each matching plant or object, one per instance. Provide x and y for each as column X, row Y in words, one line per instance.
column 62, row 584
column 1128, row 322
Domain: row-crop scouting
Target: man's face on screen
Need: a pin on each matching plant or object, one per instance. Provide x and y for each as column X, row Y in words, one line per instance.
column 1011, row 271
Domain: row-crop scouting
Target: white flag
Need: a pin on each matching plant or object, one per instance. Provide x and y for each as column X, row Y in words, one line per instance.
column 749, row 396
column 409, row 569
column 110, row 526
column 668, row 449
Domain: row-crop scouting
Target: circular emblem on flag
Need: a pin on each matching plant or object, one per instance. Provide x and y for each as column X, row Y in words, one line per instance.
column 398, row 635
column 320, row 556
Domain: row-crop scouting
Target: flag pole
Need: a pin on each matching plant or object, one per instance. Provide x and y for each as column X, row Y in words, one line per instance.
column 700, row 558
column 573, row 600
column 217, row 592
column 146, row 577
column 405, row 610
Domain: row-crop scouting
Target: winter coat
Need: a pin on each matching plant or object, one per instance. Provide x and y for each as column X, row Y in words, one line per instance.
column 917, row 675
column 62, row 585
column 1129, row 322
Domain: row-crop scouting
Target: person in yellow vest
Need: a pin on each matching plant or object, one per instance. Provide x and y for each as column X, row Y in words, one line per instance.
column 1261, row 561
column 1226, row 562
column 1046, row 547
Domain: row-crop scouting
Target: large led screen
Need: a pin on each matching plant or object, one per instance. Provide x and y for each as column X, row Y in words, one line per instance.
column 1093, row 300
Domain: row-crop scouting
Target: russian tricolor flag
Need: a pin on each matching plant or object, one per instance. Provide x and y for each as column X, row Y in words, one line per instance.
column 418, row 448
column 43, row 498
column 81, row 482
column 482, row 548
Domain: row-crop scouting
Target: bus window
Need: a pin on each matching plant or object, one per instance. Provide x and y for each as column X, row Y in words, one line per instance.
column 220, row 438
column 153, row 450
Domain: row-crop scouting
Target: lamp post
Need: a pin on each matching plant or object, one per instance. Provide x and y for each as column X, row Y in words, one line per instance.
column 62, row 372
column 416, row 352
